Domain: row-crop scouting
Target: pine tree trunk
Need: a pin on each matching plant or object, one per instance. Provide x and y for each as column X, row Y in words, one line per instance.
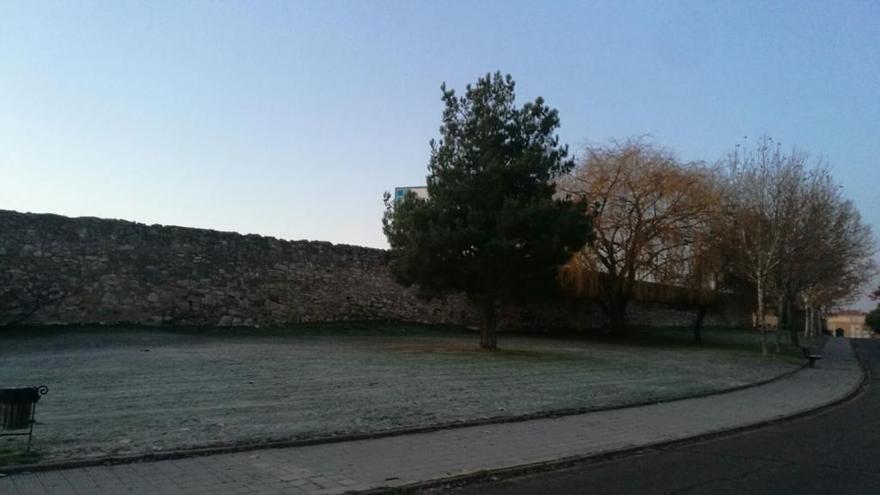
column 488, row 329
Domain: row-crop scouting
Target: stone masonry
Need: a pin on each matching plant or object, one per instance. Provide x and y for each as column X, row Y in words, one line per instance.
column 61, row 270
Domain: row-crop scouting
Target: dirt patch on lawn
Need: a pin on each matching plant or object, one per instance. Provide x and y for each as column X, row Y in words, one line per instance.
column 462, row 348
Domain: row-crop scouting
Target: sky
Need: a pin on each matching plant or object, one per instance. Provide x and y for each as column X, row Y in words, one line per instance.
column 292, row 118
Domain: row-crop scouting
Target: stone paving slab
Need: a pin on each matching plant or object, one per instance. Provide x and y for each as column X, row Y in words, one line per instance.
column 403, row 460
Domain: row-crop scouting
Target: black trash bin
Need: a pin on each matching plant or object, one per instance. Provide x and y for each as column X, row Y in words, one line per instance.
column 17, row 408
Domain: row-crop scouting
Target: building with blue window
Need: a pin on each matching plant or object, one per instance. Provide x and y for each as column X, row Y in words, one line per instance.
column 420, row 191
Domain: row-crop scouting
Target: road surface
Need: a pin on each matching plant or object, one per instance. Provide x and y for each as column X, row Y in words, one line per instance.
column 833, row 452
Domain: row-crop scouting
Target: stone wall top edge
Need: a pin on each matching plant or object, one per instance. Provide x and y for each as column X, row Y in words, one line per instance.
column 121, row 224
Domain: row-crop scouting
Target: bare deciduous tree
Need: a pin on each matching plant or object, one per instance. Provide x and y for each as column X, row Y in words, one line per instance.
column 650, row 219
column 793, row 235
column 756, row 202
column 839, row 260
column 19, row 303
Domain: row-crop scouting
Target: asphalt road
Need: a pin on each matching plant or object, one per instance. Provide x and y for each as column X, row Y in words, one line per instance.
column 833, row 452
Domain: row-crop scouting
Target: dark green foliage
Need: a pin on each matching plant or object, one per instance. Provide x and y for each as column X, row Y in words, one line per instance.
column 872, row 319
column 493, row 226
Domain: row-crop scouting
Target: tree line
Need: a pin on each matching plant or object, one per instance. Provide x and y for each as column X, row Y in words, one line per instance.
column 512, row 218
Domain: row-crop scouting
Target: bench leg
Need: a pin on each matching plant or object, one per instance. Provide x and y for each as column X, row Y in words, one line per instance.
column 31, row 429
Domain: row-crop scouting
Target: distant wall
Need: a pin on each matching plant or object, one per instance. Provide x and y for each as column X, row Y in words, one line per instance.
column 60, row 270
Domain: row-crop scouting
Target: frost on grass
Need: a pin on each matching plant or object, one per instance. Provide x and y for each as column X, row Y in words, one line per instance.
column 133, row 391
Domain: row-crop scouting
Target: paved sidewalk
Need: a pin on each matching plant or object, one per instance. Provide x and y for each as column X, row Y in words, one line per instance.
column 407, row 459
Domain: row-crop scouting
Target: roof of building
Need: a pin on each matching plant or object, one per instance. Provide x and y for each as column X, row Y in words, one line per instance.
column 848, row 312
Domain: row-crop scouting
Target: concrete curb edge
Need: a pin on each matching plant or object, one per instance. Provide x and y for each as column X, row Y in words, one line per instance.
column 853, row 393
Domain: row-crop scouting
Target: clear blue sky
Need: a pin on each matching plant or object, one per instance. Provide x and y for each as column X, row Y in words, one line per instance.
column 292, row 118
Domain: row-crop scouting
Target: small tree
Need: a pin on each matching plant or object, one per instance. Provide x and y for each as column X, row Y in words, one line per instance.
column 872, row 319
column 493, row 226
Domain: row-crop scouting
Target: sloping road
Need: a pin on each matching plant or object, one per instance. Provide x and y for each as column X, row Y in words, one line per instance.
column 833, row 452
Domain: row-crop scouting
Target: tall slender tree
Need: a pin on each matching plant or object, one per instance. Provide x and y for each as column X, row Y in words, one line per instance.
column 755, row 210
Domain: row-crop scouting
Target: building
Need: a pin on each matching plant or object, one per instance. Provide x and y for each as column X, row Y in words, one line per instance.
column 770, row 319
column 420, row 191
column 849, row 323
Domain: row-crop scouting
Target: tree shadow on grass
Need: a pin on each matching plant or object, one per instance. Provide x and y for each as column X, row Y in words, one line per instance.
column 453, row 348
column 681, row 339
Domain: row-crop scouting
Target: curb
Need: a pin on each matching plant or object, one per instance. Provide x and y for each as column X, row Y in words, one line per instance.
column 852, row 394
column 305, row 442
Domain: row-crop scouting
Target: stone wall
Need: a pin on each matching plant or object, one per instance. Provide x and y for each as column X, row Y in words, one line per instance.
column 60, row 270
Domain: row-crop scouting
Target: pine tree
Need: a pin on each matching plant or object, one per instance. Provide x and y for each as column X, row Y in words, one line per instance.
column 493, row 226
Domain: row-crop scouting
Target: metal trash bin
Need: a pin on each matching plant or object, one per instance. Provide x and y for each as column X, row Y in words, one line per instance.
column 17, row 409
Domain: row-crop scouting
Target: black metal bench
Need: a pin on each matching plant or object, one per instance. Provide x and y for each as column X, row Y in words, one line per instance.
column 812, row 357
column 17, row 409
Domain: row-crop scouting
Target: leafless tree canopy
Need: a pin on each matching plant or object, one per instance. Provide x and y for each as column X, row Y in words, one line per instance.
column 672, row 231
column 791, row 233
column 652, row 220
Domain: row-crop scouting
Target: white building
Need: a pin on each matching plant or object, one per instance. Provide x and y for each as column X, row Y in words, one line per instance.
column 850, row 324
column 401, row 192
